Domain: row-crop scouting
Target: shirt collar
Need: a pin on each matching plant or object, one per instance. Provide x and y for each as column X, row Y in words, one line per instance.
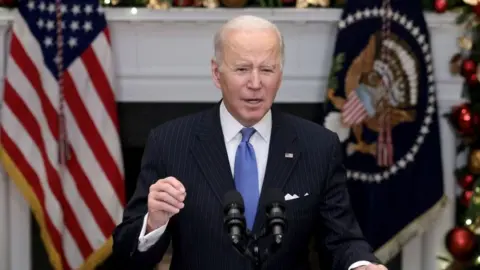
column 231, row 127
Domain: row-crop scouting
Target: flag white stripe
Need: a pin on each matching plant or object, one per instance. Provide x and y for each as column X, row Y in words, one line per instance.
column 72, row 252
column 34, row 52
column 80, row 209
column 97, row 111
column 103, row 51
column 29, row 96
column 91, row 167
column 31, row 152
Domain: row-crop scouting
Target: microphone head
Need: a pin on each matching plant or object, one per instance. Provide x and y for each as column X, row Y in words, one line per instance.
column 233, row 197
column 274, row 196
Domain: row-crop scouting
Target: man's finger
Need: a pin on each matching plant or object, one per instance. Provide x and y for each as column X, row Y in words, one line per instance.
column 163, row 206
column 176, row 201
column 175, row 183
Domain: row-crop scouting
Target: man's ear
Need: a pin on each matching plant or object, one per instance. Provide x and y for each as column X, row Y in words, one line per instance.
column 215, row 68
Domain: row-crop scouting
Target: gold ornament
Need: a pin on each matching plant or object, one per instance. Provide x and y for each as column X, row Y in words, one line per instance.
column 322, row 3
column 455, row 64
column 316, row 3
column 234, row 3
column 471, row 2
column 465, row 43
column 302, row 4
column 210, row 3
column 158, row 4
column 474, row 161
column 115, row 2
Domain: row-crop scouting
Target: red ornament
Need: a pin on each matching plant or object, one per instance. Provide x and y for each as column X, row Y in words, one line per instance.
column 441, row 6
column 466, row 181
column 464, row 121
column 468, row 67
column 461, row 243
column 472, row 79
column 466, row 197
column 182, row 3
column 476, row 9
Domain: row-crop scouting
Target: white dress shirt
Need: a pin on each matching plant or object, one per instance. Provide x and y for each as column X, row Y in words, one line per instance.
column 231, row 128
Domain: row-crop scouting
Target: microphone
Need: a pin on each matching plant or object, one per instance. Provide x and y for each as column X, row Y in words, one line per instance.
column 275, row 211
column 234, row 219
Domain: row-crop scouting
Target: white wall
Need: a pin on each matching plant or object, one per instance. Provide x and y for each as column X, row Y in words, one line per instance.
column 164, row 56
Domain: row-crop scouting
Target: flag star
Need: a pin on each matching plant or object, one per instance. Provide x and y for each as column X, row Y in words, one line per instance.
column 48, row 41
column 100, row 10
column 31, row 5
column 51, row 8
column 430, row 109
column 428, row 120
column 367, row 13
column 341, row 24
column 358, row 14
column 50, row 25
column 87, row 26
column 396, row 15
column 409, row 25
column 57, row 60
column 88, row 9
column 421, row 39
column 41, row 6
column 424, row 130
column 72, row 42
column 40, row 23
column 63, row 8
column 74, row 26
column 76, row 9
column 416, row 31
column 349, row 18
column 403, row 20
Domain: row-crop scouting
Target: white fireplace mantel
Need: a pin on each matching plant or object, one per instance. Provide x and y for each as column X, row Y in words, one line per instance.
column 164, row 56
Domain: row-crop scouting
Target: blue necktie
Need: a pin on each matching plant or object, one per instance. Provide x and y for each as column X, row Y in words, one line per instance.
column 246, row 175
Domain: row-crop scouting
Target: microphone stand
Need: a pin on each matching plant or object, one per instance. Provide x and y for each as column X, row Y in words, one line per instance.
column 250, row 249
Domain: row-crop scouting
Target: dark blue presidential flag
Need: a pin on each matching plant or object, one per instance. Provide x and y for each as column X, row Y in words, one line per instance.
column 381, row 101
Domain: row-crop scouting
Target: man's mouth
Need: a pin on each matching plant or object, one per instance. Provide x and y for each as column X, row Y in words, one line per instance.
column 253, row 101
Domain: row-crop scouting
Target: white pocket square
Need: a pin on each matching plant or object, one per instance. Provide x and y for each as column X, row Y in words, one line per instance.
column 289, row 197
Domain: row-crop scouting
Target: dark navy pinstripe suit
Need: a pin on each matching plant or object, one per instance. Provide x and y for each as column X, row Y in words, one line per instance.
column 192, row 149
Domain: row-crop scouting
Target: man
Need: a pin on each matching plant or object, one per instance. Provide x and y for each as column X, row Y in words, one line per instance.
column 244, row 144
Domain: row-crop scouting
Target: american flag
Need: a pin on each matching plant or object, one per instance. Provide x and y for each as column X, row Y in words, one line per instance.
column 60, row 67
column 353, row 111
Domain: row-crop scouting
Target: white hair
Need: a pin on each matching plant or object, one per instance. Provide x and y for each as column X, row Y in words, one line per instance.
column 246, row 22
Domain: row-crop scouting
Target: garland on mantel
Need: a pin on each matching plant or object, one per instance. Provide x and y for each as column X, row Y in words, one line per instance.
column 429, row 5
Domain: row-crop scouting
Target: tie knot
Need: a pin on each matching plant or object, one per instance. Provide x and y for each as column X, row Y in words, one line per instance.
column 247, row 134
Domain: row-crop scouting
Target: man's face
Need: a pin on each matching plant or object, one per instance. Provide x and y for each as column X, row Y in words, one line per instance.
column 250, row 74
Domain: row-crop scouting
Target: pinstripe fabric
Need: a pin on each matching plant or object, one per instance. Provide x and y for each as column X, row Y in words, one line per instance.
column 192, row 149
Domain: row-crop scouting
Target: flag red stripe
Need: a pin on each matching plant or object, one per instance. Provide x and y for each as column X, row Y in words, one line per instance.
column 19, row 108
column 100, row 83
column 27, row 171
column 86, row 190
column 93, row 138
column 31, row 73
column 106, row 31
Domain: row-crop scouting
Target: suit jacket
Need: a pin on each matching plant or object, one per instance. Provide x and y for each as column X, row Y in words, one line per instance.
column 192, row 149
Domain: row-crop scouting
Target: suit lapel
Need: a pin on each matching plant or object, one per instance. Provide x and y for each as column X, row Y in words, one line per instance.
column 282, row 158
column 211, row 155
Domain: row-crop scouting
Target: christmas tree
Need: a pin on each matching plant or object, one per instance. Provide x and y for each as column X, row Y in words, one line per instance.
column 462, row 241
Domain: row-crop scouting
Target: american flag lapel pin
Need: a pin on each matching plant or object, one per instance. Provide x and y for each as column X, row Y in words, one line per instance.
column 288, row 155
